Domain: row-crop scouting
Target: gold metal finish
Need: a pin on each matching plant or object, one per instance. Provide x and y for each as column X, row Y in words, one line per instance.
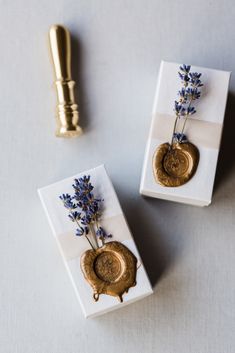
column 67, row 113
column 110, row 269
column 175, row 165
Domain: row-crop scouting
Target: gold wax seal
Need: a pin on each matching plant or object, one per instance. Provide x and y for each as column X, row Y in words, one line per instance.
column 110, row 269
column 67, row 109
column 175, row 165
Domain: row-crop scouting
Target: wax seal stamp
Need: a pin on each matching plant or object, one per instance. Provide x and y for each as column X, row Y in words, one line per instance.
column 67, row 109
column 175, row 163
column 109, row 267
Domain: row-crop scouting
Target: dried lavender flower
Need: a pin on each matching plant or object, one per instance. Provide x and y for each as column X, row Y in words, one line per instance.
column 85, row 211
column 187, row 94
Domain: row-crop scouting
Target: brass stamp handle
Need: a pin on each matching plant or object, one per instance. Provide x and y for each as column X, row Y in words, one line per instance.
column 67, row 109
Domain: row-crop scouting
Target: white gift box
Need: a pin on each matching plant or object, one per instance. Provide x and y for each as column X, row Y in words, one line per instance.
column 203, row 129
column 72, row 247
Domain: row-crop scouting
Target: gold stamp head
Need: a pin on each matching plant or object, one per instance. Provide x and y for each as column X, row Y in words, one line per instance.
column 174, row 165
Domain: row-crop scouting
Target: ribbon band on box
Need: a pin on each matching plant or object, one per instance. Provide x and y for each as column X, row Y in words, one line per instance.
column 72, row 247
column 200, row 132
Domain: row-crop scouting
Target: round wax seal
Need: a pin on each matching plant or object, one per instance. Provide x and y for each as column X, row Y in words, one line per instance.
column 175, row 165
column 110, row 269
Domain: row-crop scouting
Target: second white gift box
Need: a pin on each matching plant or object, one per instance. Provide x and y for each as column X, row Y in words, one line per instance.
column 204, row 130
column 73, row 247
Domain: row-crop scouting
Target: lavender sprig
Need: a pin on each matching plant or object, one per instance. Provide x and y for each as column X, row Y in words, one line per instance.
column 85, row 210
column 188, row 93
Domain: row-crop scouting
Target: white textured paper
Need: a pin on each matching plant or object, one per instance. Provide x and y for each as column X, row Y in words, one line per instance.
column 210, row 110
column 72, row 247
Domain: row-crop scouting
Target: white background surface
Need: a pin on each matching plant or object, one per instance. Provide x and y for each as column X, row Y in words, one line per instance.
column 188, row 251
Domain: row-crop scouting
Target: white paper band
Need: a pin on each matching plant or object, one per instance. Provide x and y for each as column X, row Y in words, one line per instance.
column 201, row 133
column 74, row 246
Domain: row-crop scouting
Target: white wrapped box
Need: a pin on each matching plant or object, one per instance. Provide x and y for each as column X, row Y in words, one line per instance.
column 204, row 130
column 72, row 247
